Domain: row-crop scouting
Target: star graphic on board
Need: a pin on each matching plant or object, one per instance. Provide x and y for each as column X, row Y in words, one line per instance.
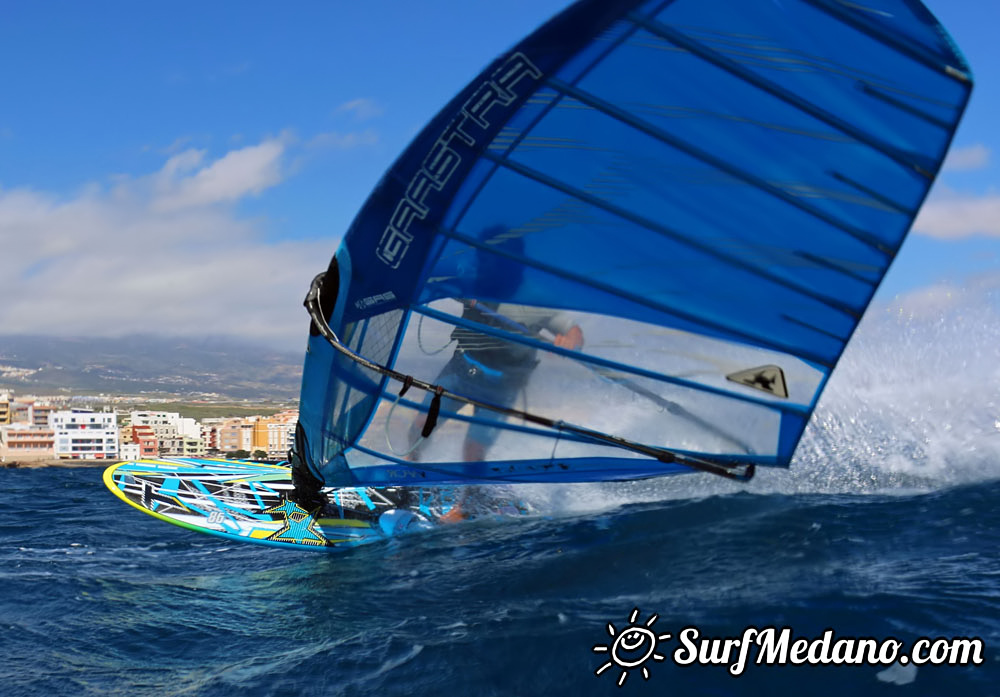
column 300, row 526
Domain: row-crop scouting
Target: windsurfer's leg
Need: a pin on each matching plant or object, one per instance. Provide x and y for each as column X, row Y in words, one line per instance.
column 474, row 450
column 450, row 378
column 482, row 435
column 478, row 440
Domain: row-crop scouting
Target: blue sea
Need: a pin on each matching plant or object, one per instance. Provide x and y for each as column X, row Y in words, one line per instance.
column 886, row 526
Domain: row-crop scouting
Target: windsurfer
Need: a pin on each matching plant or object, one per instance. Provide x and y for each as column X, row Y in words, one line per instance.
column 493, row 369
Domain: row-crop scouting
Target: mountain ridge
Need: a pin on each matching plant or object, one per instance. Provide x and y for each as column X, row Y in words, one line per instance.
column 143, row 363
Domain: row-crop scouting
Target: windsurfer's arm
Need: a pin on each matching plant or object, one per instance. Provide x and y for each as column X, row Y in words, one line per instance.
column 568, row 335
column 572, row 339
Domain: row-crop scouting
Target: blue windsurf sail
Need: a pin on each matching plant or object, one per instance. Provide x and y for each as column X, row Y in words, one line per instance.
column 636, row 244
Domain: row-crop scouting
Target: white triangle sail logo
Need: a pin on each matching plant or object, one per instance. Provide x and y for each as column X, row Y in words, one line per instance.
column 767, row 378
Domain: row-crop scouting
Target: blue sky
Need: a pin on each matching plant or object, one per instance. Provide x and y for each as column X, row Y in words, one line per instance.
column 194, row 164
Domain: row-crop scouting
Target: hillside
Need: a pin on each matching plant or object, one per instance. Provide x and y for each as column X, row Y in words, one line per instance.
column 216, row 367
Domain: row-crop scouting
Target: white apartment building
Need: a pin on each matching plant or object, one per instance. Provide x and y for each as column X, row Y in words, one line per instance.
column 130, row 451
column 176, row 435
column 85, row 435
column 167, row 424
column 163, row 423
column 187, row 427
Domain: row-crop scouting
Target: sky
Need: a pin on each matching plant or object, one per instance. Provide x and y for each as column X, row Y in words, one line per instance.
column 186, row 168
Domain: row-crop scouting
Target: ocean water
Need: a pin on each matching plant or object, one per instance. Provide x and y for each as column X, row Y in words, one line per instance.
column 887, row 526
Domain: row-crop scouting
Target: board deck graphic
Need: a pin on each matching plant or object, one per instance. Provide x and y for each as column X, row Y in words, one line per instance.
column 247, row 501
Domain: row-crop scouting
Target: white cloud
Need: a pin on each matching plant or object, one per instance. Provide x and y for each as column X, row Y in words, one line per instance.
column 162, row 254
column 967, row 158
column 952, row 215
column 362, row 109
column 184, row 161
column 239, row 173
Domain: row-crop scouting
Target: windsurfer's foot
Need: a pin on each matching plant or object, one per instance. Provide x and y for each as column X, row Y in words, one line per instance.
column 455, row 515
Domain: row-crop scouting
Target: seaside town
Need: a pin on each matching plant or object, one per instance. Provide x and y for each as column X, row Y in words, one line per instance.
column 39, row 430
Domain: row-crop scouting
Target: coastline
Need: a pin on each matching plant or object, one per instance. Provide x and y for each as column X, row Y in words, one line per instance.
column 36, row 464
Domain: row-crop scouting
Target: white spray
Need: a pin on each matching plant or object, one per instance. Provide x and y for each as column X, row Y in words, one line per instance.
column 914, row 405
